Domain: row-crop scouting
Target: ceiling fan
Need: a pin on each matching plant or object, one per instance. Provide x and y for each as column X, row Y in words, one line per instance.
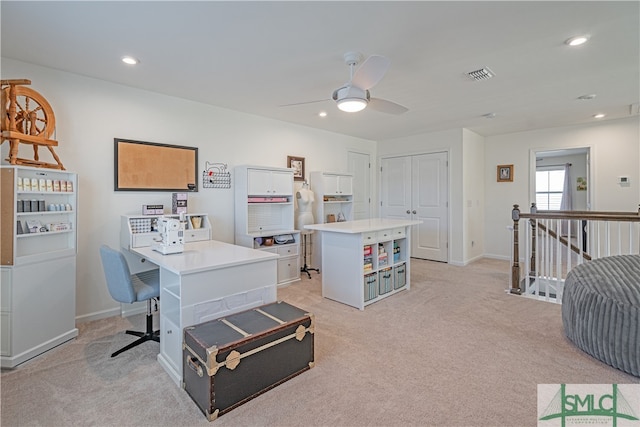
column 354, row 96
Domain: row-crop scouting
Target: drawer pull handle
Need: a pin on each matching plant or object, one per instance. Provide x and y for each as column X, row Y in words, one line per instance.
column 194, row 365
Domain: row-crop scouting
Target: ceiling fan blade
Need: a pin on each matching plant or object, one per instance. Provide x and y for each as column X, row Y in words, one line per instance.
column 304, row 103
column 385, row 106
column 370, row 72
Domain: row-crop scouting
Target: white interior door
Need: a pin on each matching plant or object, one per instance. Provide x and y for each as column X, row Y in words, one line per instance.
column 358, row 165
column 416, row 187
column 395, row 187
column 429, row 199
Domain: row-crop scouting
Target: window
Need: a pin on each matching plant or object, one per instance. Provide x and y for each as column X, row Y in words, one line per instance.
column 549, row 185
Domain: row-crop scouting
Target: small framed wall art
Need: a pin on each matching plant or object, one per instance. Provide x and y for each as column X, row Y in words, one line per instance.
column 505, row 173
column 297, row 164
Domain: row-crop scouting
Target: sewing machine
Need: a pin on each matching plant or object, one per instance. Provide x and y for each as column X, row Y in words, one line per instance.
column 171, row 236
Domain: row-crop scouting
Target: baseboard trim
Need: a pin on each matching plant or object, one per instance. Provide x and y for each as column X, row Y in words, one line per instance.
column 494, row 256
column 98, row 315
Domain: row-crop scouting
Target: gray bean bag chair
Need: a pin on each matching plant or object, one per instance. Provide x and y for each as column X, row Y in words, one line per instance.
column 601, row 310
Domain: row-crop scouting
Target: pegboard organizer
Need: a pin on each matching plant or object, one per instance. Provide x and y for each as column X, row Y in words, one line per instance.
column 216, row 176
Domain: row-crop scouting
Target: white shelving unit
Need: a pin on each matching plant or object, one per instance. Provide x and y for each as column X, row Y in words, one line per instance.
column 138, row 231
column 264, row 210
column 333, row 193
column 384, row 263
column 365, row 261
column 38, row 266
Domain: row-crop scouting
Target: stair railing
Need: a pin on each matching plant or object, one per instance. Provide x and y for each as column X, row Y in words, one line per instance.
column 555, row 241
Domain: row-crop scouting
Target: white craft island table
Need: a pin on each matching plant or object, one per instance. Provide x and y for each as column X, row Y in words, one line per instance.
column 366, row 260
column 208, row 280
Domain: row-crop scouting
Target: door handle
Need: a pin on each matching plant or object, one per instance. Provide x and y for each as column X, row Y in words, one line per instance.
column 414, row 212
column 408, row 211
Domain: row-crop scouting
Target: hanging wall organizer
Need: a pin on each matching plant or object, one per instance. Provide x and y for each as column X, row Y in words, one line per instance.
column 216, row 175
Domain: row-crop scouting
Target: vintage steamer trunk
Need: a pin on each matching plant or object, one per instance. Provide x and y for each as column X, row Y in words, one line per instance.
column 228, row 361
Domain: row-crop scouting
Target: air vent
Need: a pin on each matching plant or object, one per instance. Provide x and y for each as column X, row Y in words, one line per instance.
column 481, row 74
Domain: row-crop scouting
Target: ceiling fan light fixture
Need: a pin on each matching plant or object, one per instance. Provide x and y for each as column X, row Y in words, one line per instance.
column 351, row 99
column 352, row 105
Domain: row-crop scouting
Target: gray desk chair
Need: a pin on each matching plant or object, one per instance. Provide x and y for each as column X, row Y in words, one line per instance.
column 129, row 288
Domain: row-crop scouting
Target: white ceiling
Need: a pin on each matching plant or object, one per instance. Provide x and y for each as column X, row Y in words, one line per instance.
column 255, row 56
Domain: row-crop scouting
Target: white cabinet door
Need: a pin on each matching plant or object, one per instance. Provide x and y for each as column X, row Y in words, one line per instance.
column 359, row 166
column 282, row 183
column 345, row 185
column 259, row 182
column 171, row 343
column 337, row 185
column 269, row 183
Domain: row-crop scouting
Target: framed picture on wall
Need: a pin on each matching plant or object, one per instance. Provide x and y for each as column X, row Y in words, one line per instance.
column 505, row 173
column 297, row 164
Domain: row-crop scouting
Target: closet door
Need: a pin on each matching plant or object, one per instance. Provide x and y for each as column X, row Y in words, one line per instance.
column 395, row 187
column 416, row 187
column 429, row 203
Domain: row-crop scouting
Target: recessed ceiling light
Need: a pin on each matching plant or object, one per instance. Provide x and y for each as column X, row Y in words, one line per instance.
column 577, row 40
column 322, row 114
column 587, row 97
column 130, row 60
column 599, row 116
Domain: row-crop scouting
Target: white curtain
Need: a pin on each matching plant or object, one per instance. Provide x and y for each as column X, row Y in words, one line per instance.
column 567, row 199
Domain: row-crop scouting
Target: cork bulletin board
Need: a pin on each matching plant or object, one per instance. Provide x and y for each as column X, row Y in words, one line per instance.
column 148, row 166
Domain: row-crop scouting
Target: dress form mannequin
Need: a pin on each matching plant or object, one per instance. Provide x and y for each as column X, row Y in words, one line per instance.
column 305, row 200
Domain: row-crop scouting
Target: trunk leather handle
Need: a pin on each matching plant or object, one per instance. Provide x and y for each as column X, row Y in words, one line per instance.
column 194, row 365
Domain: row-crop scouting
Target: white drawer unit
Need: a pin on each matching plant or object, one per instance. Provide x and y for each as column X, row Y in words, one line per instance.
column 288, row 269
column 289, row 261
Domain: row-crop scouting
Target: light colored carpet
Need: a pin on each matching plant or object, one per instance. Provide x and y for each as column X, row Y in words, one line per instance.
column 455, row 350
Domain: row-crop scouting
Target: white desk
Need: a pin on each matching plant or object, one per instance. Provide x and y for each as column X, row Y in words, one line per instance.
column 210, row 279
column 352, row 277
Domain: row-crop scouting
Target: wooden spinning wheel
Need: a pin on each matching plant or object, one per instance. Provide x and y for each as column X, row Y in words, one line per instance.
column 27, row 118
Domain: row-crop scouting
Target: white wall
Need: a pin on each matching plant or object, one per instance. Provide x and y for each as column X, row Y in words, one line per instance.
column 90, row 113
column 615, row 150
column 473, row 195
